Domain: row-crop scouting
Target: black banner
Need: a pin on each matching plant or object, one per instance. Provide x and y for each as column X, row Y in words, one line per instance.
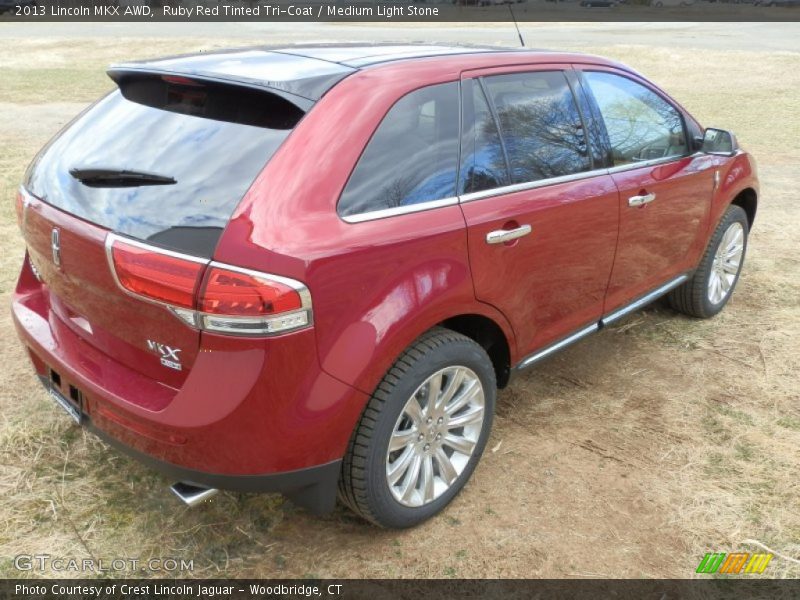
column 435, row 11
column 438, row 589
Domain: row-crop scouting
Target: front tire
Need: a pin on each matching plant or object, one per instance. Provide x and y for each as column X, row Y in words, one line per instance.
column 422, row 433
column 711, row 286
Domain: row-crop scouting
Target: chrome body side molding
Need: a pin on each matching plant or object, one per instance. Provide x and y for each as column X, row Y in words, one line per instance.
column 609, row 318
column 548, row 350
column 646, row 299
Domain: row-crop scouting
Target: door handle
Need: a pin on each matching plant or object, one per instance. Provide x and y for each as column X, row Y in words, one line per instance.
column 501, row 236
column 641, row 200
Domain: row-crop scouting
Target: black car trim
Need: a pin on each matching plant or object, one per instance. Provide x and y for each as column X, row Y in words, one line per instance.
column 118, row 73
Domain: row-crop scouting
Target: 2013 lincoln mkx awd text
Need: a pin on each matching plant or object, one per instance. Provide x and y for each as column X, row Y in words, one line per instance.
column 308, row 270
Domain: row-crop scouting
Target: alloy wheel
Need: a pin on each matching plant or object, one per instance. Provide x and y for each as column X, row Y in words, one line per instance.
column 726, row 264
column 435, row 436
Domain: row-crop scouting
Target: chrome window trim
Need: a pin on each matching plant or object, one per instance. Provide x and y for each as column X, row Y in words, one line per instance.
column 530, row 185
column 650, row 163
column 510, row 189
column 521, row 187
column 384, row 213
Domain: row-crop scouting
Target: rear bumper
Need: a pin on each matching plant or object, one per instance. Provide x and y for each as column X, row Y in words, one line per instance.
column 313, row 488
column 253, row 415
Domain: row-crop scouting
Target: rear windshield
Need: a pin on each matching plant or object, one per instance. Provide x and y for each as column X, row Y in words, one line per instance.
column 164, row 161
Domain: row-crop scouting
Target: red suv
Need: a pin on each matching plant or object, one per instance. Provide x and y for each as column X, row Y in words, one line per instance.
column 308, row 269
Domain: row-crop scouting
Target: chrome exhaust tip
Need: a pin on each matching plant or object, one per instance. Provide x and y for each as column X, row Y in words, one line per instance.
column 191, row 494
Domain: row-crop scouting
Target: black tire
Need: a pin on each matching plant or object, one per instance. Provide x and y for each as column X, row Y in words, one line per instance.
column 363, row 486
column 691, row 298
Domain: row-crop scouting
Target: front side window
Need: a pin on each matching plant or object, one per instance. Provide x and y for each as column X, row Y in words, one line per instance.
column 412, row 156
column 540, row 125
column 641, row 125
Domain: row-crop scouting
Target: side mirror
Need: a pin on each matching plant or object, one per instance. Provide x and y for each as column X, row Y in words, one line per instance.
column 718, row 141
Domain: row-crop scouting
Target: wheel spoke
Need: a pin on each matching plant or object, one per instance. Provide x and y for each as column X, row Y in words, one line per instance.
column 401, row 439
column 452, row 386
column 730, row 267
column 470, row 416
column 734, row 253
column 410, row 482
column 446, row 468
column 736, row 237
column 414, row 410
column 720, row 288
column 726, row 284
column 469, row 392
column 459, row 444
column 427, row 479
column 398, row 468
column 434, row 387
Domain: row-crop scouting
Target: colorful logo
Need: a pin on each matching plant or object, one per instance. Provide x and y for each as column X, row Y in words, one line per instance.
column 734, row 563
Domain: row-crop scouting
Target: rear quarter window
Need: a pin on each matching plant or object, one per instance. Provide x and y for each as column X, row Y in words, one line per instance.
column 411, row 158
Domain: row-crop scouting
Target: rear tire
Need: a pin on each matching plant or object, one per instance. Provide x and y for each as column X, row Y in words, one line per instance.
column 423, row 472
column 711, row 286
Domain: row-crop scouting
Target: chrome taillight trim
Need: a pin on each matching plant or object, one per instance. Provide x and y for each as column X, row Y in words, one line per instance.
column 259, row 326
column 273, row 325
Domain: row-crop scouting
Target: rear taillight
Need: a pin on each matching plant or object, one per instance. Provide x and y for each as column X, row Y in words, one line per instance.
column 234, row 292
column 209, row 295
column 233, row 300
column 168, row 278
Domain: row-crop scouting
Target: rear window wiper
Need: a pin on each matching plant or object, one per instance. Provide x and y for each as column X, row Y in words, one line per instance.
column 109, row 178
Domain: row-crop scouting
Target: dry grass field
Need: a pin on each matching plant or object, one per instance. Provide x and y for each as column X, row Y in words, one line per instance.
column 630, row 454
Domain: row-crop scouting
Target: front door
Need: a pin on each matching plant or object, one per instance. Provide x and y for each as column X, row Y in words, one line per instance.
column 542, row 216
column 665, row 191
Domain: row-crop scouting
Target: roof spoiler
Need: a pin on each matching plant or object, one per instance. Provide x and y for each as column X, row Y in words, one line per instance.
column 120, row 74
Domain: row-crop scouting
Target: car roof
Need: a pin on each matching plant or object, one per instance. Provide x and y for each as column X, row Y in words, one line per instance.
column 301, row 73
column 364, row 55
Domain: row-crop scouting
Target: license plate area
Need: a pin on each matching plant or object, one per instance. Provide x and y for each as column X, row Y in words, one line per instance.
column 72, row 405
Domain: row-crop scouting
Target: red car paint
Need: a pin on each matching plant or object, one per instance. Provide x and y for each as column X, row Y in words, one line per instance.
column 259, row 406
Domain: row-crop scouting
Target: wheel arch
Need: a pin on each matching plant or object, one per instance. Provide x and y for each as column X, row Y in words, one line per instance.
column 490, row 336
column 479, row 322
column 747, row 199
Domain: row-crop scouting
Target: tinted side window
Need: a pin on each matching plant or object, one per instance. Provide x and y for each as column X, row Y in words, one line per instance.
column 411, row 158
column 641, row 124
column 540, row 125
column 483, row 165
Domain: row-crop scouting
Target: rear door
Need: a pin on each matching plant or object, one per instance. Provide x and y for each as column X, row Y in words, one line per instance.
column 541, row 211
column 665, row 189
column 162, row 161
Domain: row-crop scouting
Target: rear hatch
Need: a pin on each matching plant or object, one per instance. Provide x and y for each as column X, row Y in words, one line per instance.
column 163, row 160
